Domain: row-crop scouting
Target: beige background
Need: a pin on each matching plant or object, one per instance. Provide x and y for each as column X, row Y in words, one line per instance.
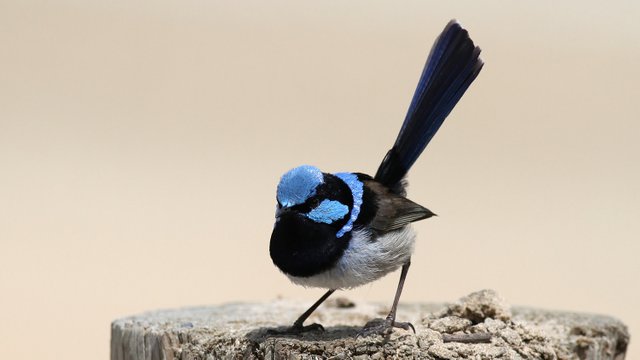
column 141, row 143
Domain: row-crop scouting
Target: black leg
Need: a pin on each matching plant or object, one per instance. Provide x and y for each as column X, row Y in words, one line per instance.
column 297, row 326
column 306, row 314
column 378, row 326
column 392, row 314
column 396, row 299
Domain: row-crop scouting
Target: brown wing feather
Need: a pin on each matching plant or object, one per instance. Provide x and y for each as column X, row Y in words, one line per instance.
column 394, row 211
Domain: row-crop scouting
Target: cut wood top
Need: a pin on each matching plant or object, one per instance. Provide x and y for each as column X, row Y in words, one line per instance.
column 240, row 331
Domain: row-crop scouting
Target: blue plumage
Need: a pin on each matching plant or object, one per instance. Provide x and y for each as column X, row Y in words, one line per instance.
column 344, row 230
column 357, row 190
column 301, row 183
column 328, row 211
column 298, row 184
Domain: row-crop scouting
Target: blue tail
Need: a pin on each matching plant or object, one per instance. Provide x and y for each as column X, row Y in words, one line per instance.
column 451, row 67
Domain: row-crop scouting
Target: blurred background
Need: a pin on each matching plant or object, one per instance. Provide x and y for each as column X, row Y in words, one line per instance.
column 141, row 144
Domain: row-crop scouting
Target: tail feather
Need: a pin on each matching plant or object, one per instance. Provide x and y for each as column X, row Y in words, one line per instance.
column 451, row 67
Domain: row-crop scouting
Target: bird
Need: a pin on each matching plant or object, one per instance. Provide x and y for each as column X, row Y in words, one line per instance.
column 341, row 230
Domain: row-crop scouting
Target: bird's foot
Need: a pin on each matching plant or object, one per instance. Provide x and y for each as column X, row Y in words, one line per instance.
column 383, row 327
column 296, row 329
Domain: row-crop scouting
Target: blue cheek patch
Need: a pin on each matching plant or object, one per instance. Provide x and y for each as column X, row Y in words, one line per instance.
column 328, row 211
column 299, row 184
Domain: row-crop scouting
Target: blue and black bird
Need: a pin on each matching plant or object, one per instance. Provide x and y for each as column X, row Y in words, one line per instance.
column 343, row 230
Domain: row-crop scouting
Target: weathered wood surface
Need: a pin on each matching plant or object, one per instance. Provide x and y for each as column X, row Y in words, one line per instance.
column 239, row 331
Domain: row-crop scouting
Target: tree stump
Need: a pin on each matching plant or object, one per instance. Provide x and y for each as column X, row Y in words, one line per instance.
column 240, row 331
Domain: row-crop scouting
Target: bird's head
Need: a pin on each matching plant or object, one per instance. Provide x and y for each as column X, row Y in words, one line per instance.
column 307, row 191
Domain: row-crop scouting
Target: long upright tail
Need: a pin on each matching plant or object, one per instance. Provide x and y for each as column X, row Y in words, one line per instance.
column 451, row 67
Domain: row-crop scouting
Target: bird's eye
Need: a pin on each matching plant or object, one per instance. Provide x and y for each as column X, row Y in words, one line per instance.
column 314, row 202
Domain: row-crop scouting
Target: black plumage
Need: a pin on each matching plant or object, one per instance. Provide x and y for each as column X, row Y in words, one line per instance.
column 301, row 247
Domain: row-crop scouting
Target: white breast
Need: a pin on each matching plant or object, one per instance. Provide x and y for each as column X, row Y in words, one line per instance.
column 365, row 260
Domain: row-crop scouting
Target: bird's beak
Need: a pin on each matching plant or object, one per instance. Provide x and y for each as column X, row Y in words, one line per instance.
column 281, row 210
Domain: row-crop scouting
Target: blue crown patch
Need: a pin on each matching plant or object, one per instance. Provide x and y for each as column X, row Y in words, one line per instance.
column 299, row 184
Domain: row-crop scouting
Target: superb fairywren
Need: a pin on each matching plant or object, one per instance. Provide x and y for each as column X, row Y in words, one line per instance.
column 342, row 230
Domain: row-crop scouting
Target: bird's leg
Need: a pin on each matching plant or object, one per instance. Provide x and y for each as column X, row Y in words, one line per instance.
column 392, row 314
column 297, row 327
column 384, row 327
column 298, row 323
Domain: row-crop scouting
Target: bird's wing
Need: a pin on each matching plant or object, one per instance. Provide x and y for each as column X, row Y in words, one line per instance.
column 394, row 211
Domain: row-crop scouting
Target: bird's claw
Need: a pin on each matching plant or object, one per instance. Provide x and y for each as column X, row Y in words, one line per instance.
column 383, row 327
column 296, row 329
column 405, row 325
